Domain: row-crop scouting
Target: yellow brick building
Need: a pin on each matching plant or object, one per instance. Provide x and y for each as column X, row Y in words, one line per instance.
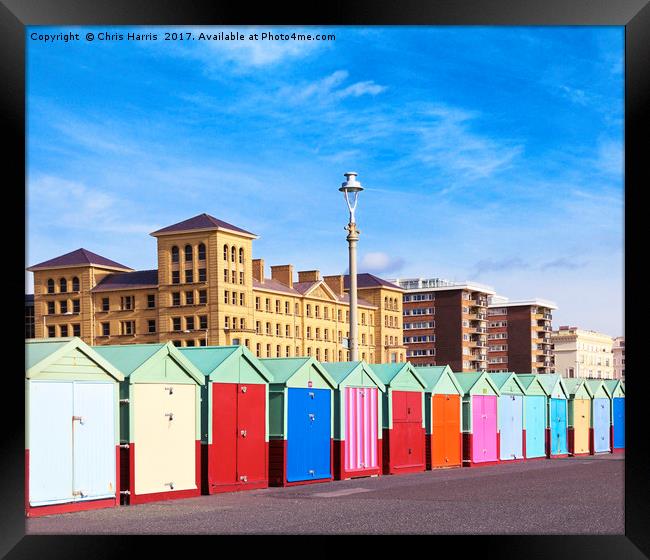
column 208, row 289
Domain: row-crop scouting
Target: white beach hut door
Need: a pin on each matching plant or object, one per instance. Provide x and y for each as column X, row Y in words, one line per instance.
column 93, row 431
column 50, row 442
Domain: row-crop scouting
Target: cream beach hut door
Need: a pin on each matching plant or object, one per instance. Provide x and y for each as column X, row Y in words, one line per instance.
column 165, row 445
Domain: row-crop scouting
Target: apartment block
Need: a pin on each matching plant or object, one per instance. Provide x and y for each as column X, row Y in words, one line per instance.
column 208, row 290
column 619, row 357
column 445, row 322
column 519, row 335
column 583, row 353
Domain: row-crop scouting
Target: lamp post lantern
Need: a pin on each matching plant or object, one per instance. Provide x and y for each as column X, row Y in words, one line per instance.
column 351, row 189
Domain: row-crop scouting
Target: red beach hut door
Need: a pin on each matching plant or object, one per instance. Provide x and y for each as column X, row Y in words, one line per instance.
column 223, row 451
column 251, row 430
column 407, row 445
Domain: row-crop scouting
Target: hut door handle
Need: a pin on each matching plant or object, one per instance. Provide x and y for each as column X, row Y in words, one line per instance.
column 243, row 433
column 244, row 389
column 170, row 484
column 410, row 451
column 78, row 493
column 243, row 478
column 311, row 395
column 312, row 417
column 311, row 472
column 170, row 415
column 79, row 418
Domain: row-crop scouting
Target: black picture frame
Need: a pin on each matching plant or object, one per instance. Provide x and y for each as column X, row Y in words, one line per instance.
column 633, row 14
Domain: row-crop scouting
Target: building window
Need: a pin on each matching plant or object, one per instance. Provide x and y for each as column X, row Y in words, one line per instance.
column 268, row 350
column 278, row 351
column 63, row 307
column 189, row 276
column 287, row 331
column 308, row 350
column 63, row 285
column 241, row 255
column 201, row 252
column 174, row 254
column 106, row 329
column 189, row 323
column 76, row 307
column 287, row 351
column 242, row 323
column 258, row 349
column 203, row 322
column 339, row 315
column 232, row 254
column 241, row 298
column 363, row 318
column 286, row 308
column 317, row 311
column 277, row 306
column 176, row 298
column 277, row 330
column 226, row 297
column 151, row 301
column 234, row 298
column 297, row 309
column 75, row 284
column 226, row 322
column 50, row 286
column 188, row 253
column 202, row 342
column 203, row 297
column 308, row 332
column 151, row 325
column 241, row 278
column 257, row 304
column 318, row 354
column 64, row 330
column 176, row 277
column 317, row 333
column 50, row 308
column 308, row 313
column 176, row 323
column 234, row 277
column 128, row 327
column 225, row 275
column 189, row 343
column 326, row 355
column 76, row 329
column 51, row 332
column 176, row 343
column 225, row 252
column 258, row 327
column 267, row 305
column 203, row 275
column 189, row 298
column 268, row 329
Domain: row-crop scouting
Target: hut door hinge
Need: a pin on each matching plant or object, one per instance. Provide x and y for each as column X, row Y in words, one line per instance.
column 124, row 401
column 124, row 445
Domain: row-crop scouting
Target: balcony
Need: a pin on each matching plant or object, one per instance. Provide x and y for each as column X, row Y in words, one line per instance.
column 479, row 330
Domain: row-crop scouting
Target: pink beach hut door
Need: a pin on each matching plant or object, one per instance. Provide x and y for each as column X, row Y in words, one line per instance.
column 360, row 428
column 484, row 429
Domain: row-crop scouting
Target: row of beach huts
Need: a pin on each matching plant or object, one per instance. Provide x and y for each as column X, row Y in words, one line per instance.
column 128, row 424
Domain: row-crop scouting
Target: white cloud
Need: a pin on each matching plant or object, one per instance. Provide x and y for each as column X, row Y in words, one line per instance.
column 325, row 89
column 380, row 262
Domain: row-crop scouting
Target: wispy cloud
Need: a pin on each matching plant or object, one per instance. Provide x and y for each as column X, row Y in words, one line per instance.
column 380, row 262
column 500, row 265
column 327, row 89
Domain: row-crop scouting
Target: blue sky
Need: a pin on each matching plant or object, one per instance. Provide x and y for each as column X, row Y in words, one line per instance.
column 487, row 154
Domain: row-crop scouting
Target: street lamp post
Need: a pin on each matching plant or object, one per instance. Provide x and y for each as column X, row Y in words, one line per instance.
column 351, row 189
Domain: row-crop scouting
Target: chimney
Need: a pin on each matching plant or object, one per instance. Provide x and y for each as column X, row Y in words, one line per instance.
column 336, row 283
column 258, row 270
column 564, row 328
column 283, row 273
column 308, row 275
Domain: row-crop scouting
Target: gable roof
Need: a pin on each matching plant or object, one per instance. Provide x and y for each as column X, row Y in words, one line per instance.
column 41, row 352
column 467, row 380
column 501, row 378
column 127, row 280
column 573, row 385
column 340, row 371
column 527, row 379
column 79, row 257
column 130, row 357
column 283, row 369
column 208, row 359
column 550, row 380
column 433, row 374
column 613, row 384
column 388, row 372
column 367, row 280
column 595, row 384
column 202, row 221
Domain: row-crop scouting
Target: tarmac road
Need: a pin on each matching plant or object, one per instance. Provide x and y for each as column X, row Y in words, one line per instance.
column 560, row 496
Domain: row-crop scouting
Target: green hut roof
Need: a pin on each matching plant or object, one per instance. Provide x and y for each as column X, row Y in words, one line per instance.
column 468, row 379
column 208, row 359
column 613, row 385
column 550, row 380
column 283, row 369
column 433, row 374
column 528, row 379
column 595, row 385
column 40, row 352
column 573, row 385
column 388, row 372
column 130, row 357
column 501, row 378
column 340, row 371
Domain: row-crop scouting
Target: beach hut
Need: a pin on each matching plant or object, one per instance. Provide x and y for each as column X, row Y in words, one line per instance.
column 535, row 400
column 510, row 416
column 479, row 409
column 556, row 415
column 234, row 418
column 442, row 417
column 71, row 428
column 160, row 422
column 579, row 406
column 617, row 391
column 403, row 418
column 301, row 422
column 601, row 417
column 357, row 419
